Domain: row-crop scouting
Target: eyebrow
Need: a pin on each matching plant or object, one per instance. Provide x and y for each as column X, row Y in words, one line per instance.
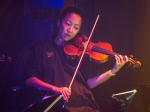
column 75, row 24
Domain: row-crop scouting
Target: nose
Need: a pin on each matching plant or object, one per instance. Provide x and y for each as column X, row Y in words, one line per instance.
column 70, row 29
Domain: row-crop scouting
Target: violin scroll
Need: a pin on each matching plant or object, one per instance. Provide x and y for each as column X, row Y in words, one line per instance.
column 136, row 64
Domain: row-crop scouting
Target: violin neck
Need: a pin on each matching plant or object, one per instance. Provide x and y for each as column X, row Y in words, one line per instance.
column 104, row 51
column 107, row 52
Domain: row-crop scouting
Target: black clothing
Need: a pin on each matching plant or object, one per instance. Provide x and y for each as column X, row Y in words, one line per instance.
column 50, row 64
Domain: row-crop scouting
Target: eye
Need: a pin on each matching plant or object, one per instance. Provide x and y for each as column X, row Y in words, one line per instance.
column 76, row 28
column 67, row 24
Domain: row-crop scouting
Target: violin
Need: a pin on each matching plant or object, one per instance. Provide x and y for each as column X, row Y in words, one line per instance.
column 98, row 52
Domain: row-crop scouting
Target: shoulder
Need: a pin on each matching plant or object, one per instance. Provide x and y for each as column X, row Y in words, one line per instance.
column 46, row 44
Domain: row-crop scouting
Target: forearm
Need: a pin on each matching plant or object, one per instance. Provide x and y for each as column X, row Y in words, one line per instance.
column 99, row 79
column 120, row 61
column 37, row 83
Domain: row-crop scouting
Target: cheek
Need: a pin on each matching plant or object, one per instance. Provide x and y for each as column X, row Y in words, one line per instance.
column 75, row 32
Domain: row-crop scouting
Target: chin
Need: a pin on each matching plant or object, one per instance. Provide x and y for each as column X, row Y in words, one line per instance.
column 67, row 39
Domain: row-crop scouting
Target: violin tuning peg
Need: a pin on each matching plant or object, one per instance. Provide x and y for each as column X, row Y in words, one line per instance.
column 131, row 56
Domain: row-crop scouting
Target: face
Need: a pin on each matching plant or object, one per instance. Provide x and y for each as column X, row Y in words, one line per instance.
column 69, row 26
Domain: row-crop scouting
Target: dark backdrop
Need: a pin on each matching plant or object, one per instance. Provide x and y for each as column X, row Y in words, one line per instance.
column 124, row 24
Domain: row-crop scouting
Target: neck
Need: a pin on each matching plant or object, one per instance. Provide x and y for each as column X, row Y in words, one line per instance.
column 59, row 41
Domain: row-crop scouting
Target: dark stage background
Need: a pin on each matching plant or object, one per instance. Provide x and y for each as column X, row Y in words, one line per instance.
column 125, row 24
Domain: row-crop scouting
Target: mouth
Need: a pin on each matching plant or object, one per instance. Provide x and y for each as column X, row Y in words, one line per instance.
column 67, row 35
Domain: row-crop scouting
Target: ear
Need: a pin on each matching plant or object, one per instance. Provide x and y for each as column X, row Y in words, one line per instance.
column 58, row 23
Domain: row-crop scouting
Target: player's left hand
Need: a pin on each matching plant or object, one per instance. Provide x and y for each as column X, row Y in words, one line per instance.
column 120, row 62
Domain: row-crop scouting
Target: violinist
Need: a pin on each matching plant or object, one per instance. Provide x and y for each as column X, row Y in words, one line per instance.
column 51, row 70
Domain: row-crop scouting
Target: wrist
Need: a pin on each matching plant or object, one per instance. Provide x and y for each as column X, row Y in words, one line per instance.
column 111, row 73
column 55, row 89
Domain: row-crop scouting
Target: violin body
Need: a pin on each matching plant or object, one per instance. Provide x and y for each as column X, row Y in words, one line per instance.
column 76, row 48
